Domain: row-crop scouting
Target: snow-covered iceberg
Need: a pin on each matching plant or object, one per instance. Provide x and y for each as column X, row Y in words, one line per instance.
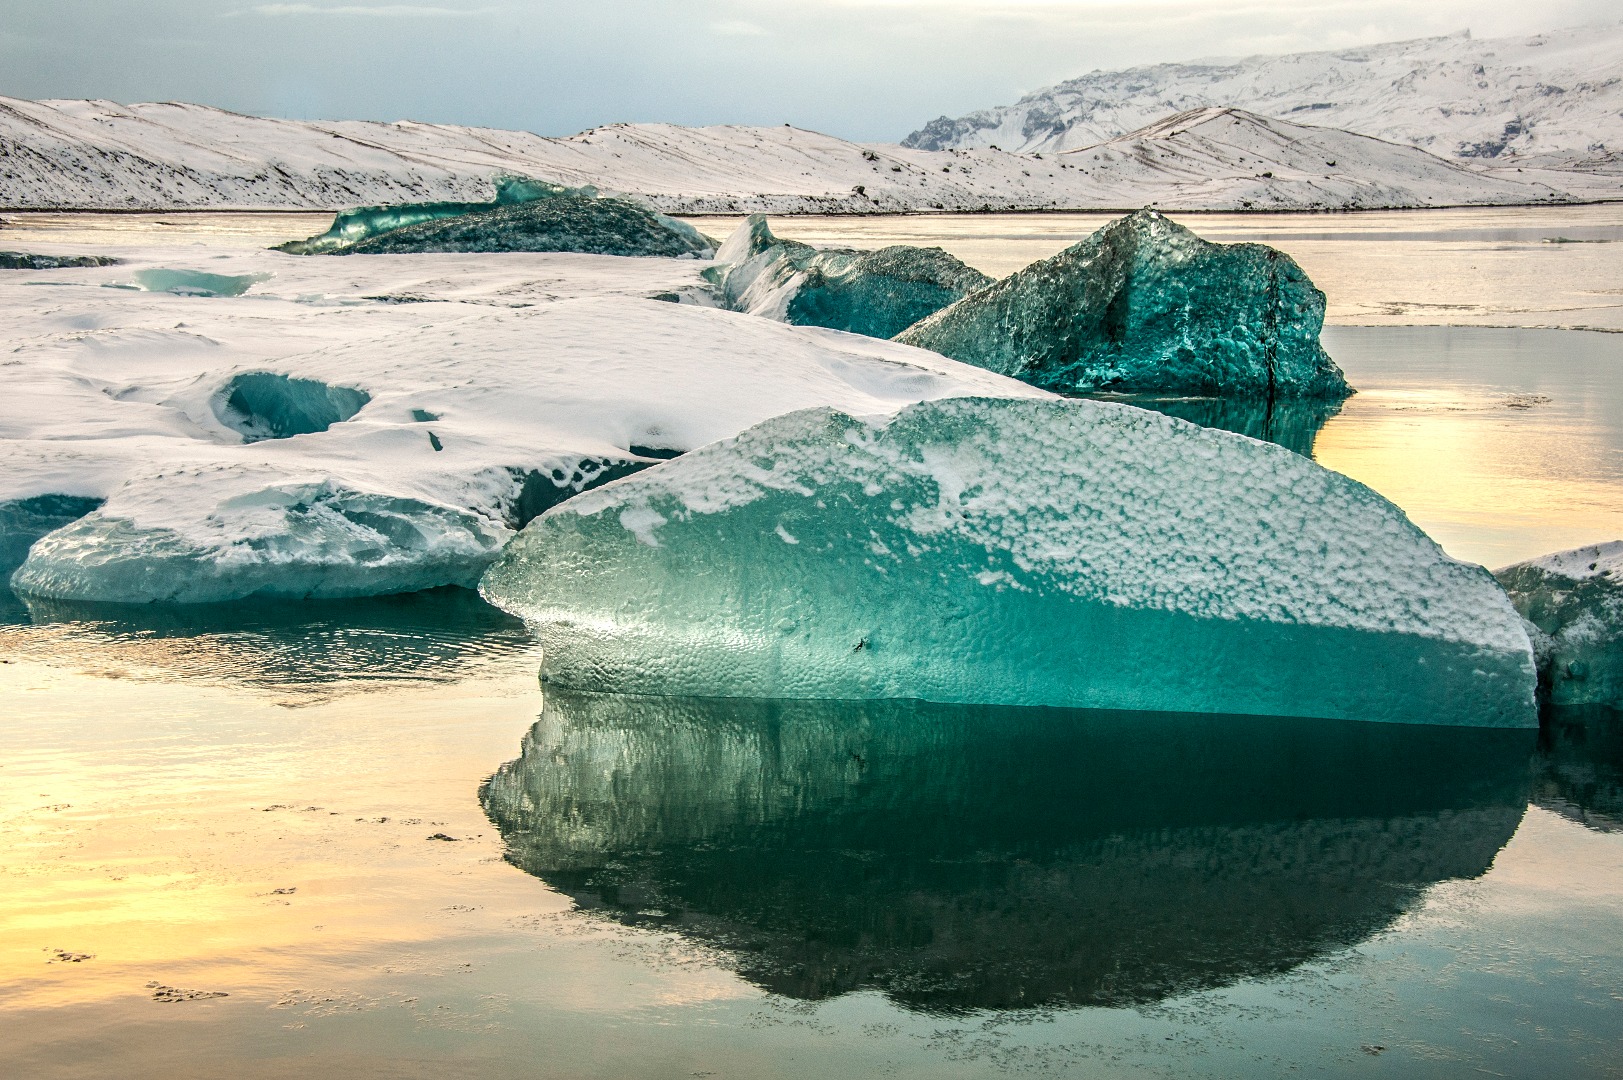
column 957, row 857
column 1574, row 599
column 1146, row 306
column 527, row 215
column 1027, row 552
column 876, row 293
column 316, row 443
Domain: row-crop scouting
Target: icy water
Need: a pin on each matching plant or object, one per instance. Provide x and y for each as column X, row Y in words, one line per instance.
column 352, row 838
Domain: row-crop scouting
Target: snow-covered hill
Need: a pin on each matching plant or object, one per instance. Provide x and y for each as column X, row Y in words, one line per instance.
column 99, row 155
column 1552, row 99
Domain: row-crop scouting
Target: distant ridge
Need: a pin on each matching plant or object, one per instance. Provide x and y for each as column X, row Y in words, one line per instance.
column 1550, row 100
column 98, row 155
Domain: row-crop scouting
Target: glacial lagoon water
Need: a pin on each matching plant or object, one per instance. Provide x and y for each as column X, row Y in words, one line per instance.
column 295, row 840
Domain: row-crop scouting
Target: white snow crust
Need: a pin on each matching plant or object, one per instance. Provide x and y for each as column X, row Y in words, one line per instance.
column 100, row 155
column 1579, row 564
column 521, row 363
column 1553, row 99
column 1133, row 509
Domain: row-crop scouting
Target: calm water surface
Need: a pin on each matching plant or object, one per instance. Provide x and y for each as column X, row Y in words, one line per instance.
column 352, row 838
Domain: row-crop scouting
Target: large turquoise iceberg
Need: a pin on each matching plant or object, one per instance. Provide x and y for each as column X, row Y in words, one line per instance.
column 527, row 215
column 1146, row 306
column 1068, row 553
column 876, row 293
column 1574, row 600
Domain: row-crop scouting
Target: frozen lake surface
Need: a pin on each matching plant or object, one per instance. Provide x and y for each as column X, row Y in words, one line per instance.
column 350, row 837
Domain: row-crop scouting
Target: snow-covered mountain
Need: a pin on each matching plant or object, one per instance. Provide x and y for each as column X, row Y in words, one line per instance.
column 1549, row 100
column 99, row 155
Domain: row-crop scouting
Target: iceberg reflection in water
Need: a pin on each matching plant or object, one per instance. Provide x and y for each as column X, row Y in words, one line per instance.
column 299, row 647
column 1291, row 424
column 959, row 857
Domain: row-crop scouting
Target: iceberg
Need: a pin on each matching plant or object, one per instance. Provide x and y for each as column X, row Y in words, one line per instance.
column 21, row 260
column 1019, row 552
column 23, row 521
column 313, row 540
column 1574, row 601
column 960, row 857
column 283, row 450
column 875, row 293
column 578, row 223
column 527, row 215
column 1146, row 306
column 364, row 222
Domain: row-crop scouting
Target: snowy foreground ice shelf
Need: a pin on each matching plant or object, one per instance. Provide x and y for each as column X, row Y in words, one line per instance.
column 1575, row 599
column 1146, row 306
column 316, row 436
column 1033, row 552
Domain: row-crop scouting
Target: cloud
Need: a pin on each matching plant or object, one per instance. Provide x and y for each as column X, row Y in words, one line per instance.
column 392, row 11
column 739, row 28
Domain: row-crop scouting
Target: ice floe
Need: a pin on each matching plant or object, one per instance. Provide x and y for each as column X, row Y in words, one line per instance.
column 1025, row 552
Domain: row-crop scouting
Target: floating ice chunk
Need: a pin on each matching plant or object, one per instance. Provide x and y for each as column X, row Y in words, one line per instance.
column 958, row 856
column 877, row 293
column 1146, row 306
column 20, row 260
column 152, row 543
column 269, row 405
column 1575, row 600
column 1015, row 552
column 578, row 223
column 363, row 222
column 196, row 282
column 23, row 521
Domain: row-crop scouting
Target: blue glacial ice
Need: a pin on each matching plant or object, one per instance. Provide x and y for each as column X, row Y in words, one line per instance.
column 1574, row 600
column 195, row 282
column 1068, row 553
column 280, row 539
column 876, row 293
column 1146, row 306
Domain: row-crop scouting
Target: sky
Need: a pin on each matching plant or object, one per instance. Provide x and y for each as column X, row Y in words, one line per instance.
column 862, row 69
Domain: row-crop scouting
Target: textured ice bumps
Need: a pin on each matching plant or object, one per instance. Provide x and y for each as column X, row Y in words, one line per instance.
column 876, row 293
column 1145, row 305
column 1069, row 553
column 1575, row 600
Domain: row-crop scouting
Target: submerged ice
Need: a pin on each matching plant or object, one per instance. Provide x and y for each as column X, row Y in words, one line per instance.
column 1146, row 306
column 1031, row 552
column 876, row 293
column 1574, row 600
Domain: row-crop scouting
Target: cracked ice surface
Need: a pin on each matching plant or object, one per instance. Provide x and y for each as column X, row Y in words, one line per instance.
column 1024, row 552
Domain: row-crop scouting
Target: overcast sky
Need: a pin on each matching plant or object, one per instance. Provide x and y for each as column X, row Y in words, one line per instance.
column 863, row 69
